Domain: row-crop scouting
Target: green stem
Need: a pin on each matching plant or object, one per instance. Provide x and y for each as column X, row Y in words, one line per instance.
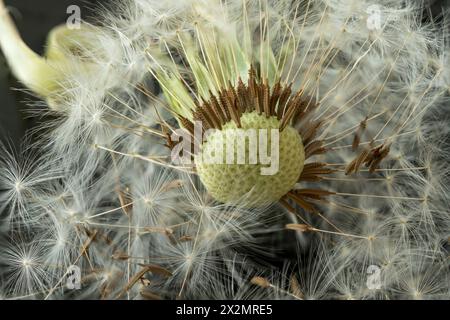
column 34, row 71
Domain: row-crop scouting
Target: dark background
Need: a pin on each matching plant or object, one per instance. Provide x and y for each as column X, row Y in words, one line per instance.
column 35, row 18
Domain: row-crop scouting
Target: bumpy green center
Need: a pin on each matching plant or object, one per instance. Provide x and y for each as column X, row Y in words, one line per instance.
column 244, row 183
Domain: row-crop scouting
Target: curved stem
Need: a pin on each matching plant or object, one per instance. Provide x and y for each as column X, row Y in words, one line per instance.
column 27, row 66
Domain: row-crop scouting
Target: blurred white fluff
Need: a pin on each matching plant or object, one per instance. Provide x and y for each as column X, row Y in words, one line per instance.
column 100, row 196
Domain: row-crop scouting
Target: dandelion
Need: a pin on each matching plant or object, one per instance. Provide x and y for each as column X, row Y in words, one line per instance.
column 211, row 146
column 25, row 272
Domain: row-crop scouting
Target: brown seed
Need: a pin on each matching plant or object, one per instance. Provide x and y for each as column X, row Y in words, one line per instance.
column 260, row 281
column 298, row 227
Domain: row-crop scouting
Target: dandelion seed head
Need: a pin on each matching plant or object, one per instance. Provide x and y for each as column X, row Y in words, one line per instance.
column 363, row 111
column 230, row 182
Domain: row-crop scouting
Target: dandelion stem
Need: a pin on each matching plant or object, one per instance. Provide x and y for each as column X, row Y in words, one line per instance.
column 31, row 69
